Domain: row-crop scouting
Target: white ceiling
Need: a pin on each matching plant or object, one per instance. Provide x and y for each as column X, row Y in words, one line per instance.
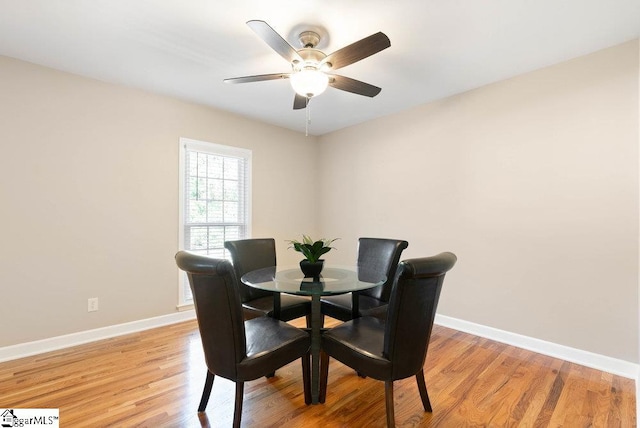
column 185, row 48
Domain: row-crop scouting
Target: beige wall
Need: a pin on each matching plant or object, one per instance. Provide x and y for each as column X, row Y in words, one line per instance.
column 89, row 194
column 638, row 374
column 532, row 182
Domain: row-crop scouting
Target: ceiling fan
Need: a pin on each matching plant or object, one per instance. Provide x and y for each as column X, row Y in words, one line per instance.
column 310, row 67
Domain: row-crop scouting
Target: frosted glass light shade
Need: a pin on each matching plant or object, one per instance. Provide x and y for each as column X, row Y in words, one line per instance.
column 309, row 83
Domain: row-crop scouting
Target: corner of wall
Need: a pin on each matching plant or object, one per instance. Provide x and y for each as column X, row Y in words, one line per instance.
column 638, row 373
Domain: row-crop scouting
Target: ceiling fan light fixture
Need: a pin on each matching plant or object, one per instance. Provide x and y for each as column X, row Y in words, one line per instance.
column 309, row 82
column 310, row 66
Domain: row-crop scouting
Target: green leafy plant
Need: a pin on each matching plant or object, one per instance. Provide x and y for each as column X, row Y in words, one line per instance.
column 310, row 249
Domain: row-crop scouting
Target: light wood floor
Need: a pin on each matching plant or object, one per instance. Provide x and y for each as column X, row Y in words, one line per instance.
column 155, row 378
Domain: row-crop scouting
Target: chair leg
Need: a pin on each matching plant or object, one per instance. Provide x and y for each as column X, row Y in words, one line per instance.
column 208, row 384
column 237, row 413
column 388, row 393
column 324, row 375
column 422, row 387
column 306, row 377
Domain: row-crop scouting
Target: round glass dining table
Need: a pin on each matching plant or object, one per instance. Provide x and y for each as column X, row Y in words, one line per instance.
column 333, row 280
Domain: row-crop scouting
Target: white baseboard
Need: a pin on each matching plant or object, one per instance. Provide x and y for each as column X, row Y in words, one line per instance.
column 638, row 395
column 584, row 358
column 21, row 350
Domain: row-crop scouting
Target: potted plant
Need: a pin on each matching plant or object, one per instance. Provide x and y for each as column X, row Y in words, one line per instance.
column 312, row 251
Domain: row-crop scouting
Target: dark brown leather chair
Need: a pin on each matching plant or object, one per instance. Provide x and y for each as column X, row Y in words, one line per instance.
column 395, row 348
column 235, row 349
column 376, row 257
column 252, row 254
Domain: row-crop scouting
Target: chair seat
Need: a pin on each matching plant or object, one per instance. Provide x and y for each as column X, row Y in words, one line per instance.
column 339, row 307
column 360, row 343
column 271, row 344
column 291, row 307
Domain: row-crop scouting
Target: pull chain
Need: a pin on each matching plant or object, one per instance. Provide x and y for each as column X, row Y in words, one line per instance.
column 308, row 119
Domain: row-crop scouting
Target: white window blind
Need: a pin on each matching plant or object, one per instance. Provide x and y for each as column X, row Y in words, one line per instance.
column 215, row 200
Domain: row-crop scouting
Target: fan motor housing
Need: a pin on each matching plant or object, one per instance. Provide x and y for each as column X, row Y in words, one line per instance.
column 311, row 55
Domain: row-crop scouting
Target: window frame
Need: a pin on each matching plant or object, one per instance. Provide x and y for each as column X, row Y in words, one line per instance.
column 186, row 144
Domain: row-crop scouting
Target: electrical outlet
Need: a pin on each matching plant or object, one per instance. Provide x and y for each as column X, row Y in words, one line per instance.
column 92, row 304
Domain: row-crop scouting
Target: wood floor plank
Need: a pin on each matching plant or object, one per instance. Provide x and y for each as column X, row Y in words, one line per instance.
column 155, row 379
column 532, row 396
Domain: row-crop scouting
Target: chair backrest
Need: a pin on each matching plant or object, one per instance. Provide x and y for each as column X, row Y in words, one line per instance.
column 378, row 257
column 411, row 311
column 218, row 309
column 248, row 255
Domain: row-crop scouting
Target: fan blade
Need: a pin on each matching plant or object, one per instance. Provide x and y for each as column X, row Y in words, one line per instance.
column 300, row 102
column 352, row 85
column 257, row 78
column 357, row 51
column 274, row 40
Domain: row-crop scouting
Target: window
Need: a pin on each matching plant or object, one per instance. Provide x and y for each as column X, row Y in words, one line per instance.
column 214, row 200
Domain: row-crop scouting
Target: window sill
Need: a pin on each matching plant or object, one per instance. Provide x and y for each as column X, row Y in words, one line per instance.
column 185, row 307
